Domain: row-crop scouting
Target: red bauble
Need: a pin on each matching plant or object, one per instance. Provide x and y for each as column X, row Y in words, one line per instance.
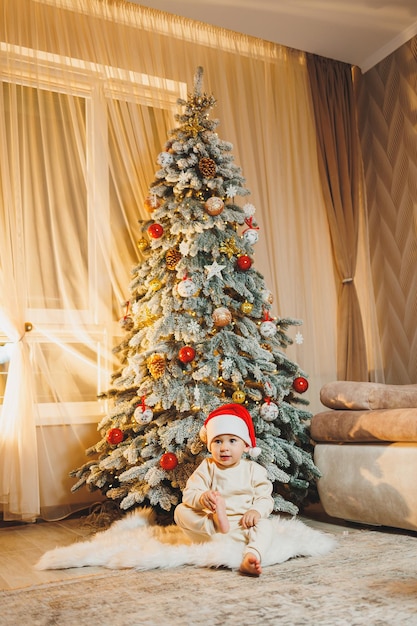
column 168, row 461
column 155, row 231
column 115, row 435
column 244, row 262
column 186, row 354
column 300, row 384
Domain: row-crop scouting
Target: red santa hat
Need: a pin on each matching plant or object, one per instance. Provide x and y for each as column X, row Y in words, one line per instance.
column 230, row 419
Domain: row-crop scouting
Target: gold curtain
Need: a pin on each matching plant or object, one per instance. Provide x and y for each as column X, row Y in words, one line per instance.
column 341, row 178
column 89, row 90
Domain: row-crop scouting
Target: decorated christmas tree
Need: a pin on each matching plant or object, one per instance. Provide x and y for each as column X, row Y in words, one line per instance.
column 200, row 332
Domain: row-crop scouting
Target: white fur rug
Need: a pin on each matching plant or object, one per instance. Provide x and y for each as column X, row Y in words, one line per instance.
column 136, row 542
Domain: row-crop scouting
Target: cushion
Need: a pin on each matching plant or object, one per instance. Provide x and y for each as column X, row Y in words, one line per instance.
column 345, row 394
column 392, row 425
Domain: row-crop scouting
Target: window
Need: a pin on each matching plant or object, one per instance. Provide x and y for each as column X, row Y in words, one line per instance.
column 82, row 143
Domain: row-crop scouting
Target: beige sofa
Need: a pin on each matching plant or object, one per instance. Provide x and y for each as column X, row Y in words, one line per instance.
column 366, row 451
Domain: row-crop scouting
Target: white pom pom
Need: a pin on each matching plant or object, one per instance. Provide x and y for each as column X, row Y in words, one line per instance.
column 254, row 452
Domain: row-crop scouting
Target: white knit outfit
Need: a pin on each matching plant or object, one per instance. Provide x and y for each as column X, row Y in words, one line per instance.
column 244, row 487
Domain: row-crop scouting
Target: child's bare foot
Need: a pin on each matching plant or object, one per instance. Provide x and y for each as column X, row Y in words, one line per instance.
column 220, row 518
column 251, row 565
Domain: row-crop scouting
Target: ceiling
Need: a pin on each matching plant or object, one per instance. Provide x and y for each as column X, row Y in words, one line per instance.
column 359, row 32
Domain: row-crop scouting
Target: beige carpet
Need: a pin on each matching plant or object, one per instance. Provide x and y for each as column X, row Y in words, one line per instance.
column 369, row 578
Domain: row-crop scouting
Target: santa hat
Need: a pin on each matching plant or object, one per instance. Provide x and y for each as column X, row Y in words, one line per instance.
column 230, row 419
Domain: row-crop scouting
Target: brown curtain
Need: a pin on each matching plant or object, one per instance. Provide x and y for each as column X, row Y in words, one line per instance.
column 341, row 178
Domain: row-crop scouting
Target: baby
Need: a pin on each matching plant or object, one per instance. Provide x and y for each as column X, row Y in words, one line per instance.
column 227, row 494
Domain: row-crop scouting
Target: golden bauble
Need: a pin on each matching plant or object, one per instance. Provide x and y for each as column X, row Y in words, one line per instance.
column 221, row 316
column 155, row 284
column 246, row 307
column 143, row 244
column 238, row 396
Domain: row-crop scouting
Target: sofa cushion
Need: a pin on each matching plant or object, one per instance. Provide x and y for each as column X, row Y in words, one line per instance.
column 345, row 394
column 389, row 425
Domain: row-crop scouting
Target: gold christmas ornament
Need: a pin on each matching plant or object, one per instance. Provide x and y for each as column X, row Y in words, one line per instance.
column 143, row 244
column 238, row 396
column 193, row 126
column 207, row 167
column 146, row 318
column 214, row 205
column 221, row 316
column 246, row 307
column 230, row 248
column 172, row 257
column 155, row 284
column 156, row 365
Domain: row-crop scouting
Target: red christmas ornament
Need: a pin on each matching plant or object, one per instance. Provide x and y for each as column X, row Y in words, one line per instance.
column 168, row 461
column 300, row 384
column 115, row 435
column 244, row 262
column 155, row 231
column 186, row 354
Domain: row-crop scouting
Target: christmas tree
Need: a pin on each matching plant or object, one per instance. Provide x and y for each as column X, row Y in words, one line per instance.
column 199, row 333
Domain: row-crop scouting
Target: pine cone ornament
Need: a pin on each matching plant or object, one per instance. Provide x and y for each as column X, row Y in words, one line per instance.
column 156, row 365
column 207, row 167
column 172, row 257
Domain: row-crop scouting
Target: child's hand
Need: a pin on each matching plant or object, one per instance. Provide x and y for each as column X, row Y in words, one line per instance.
column 249, row 519
column 208, row 500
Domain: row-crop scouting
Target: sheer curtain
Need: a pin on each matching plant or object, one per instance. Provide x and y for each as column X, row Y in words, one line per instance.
column 89, row 90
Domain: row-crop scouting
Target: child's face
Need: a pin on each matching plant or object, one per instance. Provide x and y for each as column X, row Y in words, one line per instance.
column 227, row 450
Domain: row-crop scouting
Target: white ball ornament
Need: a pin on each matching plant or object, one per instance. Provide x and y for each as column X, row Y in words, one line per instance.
column 251, row 236
column 269, row 411
column 186, row 288
column 268, row 329
column 143, row 415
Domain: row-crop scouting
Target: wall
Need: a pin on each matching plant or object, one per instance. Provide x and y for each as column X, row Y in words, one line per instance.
column 387, row 120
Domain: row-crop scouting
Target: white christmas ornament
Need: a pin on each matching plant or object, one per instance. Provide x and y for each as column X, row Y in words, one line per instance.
column 186, row 288
column 214, row 270
column 232, row 191
column 269, row 411
column 268, row 329
column 249, row 210
column 299, row 338
column 251, row 236
column 165, row 158
column 143, row 415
